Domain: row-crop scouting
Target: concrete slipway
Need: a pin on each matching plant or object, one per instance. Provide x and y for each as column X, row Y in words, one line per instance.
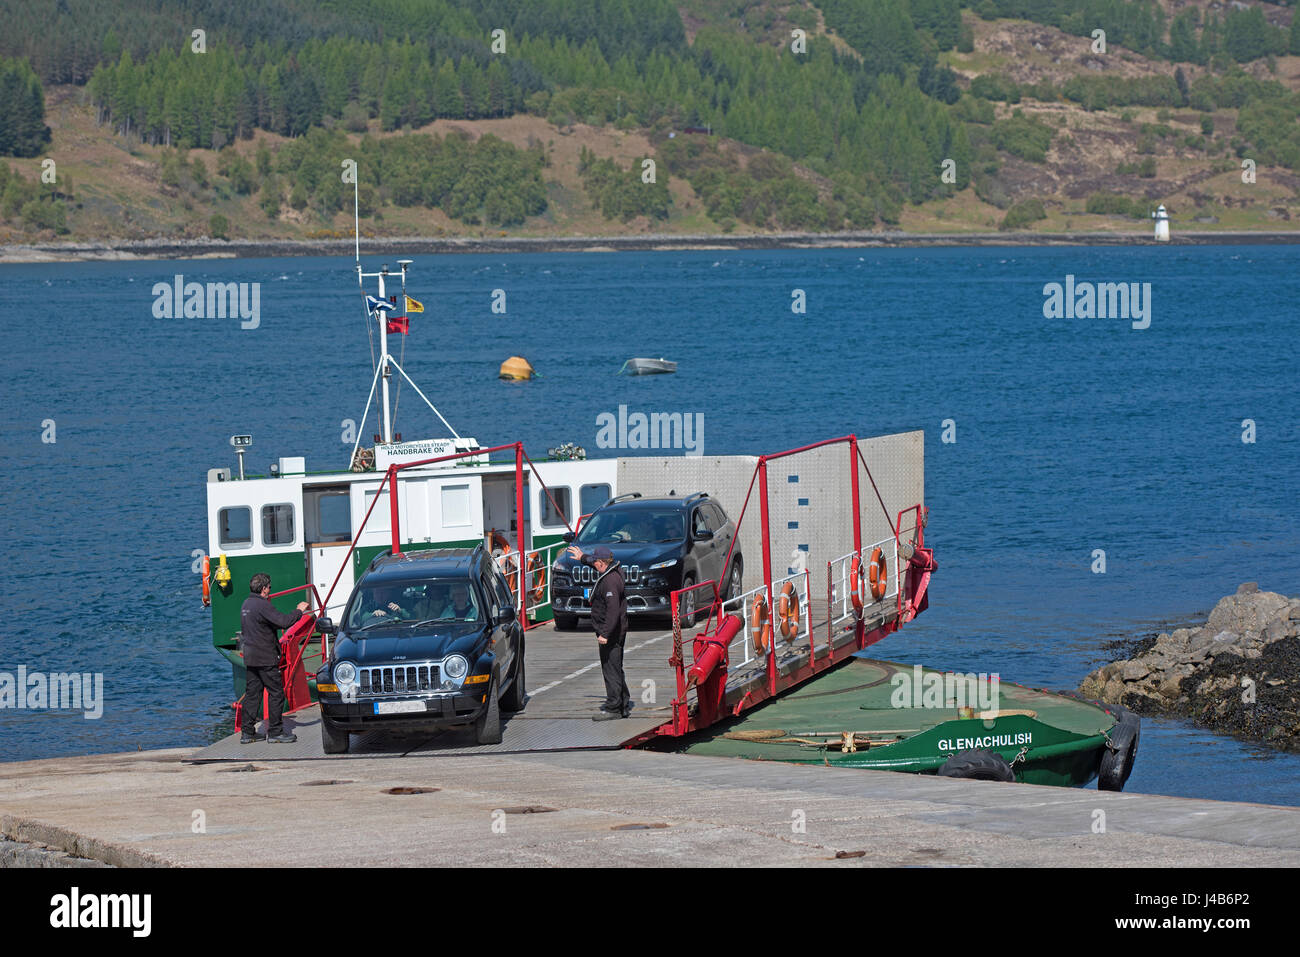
column 536, row 801
column 623, row 808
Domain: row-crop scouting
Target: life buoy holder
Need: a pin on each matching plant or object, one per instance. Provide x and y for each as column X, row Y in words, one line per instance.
column 760, row 629
column 855, row 584
column 878, row 573
column 207, row 581
column 787, row 610
column 537, row 570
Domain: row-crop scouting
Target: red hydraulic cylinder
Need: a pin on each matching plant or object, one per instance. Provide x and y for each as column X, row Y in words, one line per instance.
column 710, row 669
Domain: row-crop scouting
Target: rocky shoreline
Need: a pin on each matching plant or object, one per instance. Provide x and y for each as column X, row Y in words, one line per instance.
column 118, row 249
column 1238, row 673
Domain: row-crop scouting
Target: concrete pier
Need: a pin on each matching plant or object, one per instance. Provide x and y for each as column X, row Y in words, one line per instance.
column 612, row 808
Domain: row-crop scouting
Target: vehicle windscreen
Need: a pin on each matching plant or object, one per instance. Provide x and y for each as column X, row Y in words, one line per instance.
column 633, row 525
column 394, row 603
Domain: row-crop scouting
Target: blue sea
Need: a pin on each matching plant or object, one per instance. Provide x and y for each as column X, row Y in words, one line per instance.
column 1072, row 435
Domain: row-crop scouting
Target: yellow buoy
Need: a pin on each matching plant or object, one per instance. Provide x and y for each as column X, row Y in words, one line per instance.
column 516, row 367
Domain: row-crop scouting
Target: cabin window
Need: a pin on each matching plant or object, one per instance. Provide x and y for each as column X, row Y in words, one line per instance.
column 235, row 526
column 592, row 497
column 455, row 506
column 550, row 517
column 380, row 514
column 277, row 524
column 333, row 516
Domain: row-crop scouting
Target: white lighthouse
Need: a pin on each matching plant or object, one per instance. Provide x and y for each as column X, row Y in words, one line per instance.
column 1162, row 224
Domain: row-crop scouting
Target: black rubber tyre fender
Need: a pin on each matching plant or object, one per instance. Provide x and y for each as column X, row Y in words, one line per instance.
column 1118, row 758
column 981, row 765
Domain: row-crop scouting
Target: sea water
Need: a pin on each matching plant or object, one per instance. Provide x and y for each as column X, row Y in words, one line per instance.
column 1050, row 437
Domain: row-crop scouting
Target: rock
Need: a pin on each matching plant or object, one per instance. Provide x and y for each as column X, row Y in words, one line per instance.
column 1274, row 630
column 1093, row 686
column 1133, row 670
column 1248, row 588
column 1245, row 611
column 1294, row 614
column 1171, row 687
column 1113, row 691
column 1160, row 662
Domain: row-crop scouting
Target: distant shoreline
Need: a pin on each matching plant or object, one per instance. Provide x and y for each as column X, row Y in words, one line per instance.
column 245, row 249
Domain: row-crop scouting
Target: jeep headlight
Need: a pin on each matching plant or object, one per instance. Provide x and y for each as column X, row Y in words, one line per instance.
column 668, row 564
column 345, row 673
column 455, row 667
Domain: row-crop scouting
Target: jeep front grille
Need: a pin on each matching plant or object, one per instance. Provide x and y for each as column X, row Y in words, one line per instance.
column 400, row 679
column 586, row 575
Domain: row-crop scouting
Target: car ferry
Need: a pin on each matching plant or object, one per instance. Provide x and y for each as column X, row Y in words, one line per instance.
column 818, row 567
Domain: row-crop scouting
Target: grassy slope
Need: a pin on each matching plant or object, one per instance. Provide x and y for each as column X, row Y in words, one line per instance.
column 119, row 194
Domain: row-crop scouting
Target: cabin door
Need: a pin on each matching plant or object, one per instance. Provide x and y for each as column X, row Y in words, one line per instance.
column 328, row 524
column 499, row 510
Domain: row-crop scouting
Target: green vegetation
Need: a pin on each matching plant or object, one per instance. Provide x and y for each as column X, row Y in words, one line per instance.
column 1113, row 204
column 32, row 205
column 1022, row 214
column 22, row 110
column 1241, row 35
column 820, row 140
column 622, row 194
column 1023, row 136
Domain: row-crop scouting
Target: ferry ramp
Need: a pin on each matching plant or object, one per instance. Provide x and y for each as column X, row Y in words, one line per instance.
column 565, row 689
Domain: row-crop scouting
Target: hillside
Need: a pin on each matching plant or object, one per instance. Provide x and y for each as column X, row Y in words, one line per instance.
column 1045, row 133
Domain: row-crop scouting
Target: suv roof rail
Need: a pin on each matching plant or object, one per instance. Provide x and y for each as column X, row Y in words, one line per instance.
column 623, row 497
column 386, row 553
column 692, row 497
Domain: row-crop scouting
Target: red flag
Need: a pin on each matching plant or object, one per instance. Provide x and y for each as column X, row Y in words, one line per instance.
column 399, row 324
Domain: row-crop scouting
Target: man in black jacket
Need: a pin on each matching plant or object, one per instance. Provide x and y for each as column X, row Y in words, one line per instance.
column 258, row 621
column 609, row 618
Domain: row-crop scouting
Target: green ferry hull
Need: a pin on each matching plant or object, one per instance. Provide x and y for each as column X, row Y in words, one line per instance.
column 851, row 718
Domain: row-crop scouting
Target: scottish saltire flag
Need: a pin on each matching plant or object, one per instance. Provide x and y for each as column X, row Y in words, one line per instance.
column 374, row 304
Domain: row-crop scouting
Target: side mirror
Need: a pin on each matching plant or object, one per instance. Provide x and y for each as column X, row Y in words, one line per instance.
column 507, row 615
column 568, row 537
column 326, row 627
column 703, row 536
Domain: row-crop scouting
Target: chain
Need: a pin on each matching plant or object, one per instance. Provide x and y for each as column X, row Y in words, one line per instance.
column 1019, row 757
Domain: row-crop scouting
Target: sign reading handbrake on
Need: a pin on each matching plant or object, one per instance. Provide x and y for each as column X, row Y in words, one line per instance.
column 399, row 452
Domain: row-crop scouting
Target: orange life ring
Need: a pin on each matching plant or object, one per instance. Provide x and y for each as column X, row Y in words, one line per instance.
column 877, row 573
column 207, row 581
column 855, row 584
column 537, row 569
column 760, row 631
column 788, row 611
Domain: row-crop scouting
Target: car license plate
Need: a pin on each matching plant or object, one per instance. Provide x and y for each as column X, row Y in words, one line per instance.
column 586, row 594
column 398, row 707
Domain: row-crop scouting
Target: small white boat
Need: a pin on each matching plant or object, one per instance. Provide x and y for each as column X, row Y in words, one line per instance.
column 647, row 367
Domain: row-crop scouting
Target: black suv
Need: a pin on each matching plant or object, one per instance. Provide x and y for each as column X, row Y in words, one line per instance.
column 428, row 640
column 662, row 543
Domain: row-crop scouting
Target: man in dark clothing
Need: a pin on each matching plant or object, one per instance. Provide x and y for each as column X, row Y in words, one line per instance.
column 258, row 621
column 609, row 618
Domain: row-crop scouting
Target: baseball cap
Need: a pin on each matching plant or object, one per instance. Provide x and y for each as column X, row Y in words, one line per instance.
column 603, row 554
